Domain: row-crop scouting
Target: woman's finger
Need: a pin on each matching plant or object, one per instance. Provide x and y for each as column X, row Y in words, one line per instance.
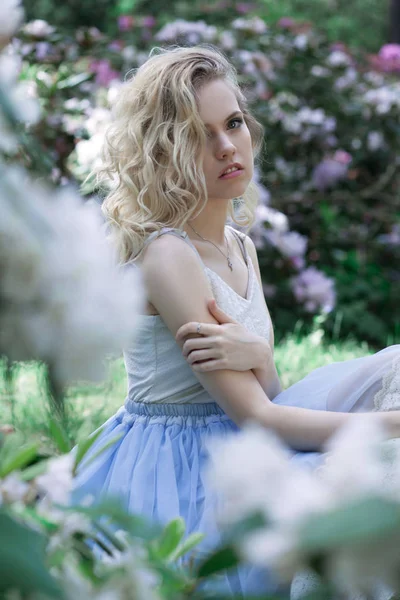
column 191, row 327
column 209, row 365
column 197, row 355
column 197, row 344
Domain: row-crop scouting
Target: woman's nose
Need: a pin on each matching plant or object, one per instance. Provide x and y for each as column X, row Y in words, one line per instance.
column 225, row 148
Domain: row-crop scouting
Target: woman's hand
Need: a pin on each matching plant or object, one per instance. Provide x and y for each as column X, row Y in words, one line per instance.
column 228, row 345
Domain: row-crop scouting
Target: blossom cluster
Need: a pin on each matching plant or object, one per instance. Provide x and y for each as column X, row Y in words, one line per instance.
column 254, row 473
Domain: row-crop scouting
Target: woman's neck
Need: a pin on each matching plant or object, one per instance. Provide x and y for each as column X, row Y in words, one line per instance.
column 210, row 223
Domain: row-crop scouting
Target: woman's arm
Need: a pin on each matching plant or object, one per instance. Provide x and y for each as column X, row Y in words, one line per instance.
column 179, row 289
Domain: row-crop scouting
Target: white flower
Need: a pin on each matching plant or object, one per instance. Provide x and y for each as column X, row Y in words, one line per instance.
column 290, row 243
column 56, row 483
column 375, row 140
column 252, row 25
column 13, row 489
column 193, row 31
column 11, row 16
column 39, row 29
column 24, row 99
column 128, row 53
column 21, row 96
column 347, row 80
column 338, row 59
column 383, row 99
column 275, row 549
column 354, row 446
column 243, row 467
column 275, row 218
column 300, row 41
column 87, row 152
column 65, row 299
column 319, row 71
column 227, row 40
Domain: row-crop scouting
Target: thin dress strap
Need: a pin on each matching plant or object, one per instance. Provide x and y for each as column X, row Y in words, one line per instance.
column 241, row 241
column 173, row 231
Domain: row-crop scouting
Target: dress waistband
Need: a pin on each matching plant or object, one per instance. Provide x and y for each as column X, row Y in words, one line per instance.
column 196, row 409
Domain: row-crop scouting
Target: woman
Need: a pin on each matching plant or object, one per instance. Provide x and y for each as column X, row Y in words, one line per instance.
column 181, row 149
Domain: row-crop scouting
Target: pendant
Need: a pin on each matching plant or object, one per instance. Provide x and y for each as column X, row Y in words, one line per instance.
column 230, row 264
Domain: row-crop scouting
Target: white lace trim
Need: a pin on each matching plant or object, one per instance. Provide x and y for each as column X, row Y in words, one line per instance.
column 388, row 397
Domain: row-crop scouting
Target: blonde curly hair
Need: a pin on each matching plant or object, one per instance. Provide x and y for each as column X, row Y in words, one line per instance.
column 150, row 157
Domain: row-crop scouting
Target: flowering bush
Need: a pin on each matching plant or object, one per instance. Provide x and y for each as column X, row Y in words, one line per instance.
column 330, row 162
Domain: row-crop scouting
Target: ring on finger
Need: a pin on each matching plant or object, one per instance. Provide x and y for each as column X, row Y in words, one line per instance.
column 198, row 328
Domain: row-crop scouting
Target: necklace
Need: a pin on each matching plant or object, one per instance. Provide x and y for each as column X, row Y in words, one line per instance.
column 219, row 250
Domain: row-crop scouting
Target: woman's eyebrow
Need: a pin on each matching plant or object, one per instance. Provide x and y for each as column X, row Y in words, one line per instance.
column 237, row 112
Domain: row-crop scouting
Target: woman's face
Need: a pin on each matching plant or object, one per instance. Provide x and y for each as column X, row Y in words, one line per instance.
column 228, row 142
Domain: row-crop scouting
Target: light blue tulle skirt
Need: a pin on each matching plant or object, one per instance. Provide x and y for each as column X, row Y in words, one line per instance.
column 157, row 467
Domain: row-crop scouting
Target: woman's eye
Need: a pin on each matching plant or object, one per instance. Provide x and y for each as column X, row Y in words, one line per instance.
column 238, row 121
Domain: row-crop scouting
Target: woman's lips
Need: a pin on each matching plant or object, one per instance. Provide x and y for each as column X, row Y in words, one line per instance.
column 233, row 174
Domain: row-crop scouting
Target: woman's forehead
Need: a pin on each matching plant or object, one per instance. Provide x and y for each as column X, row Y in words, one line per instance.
column 217, row 101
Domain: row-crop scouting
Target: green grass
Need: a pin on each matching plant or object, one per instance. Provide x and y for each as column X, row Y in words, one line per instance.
column 88, row 406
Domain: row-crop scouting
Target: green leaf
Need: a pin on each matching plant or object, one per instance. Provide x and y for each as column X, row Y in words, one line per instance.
column 224, row 558
column 170, row 538
column 354, row 524
column 22, row 560
column 251, row 523
column 191, row 541
column 112, row 508
column 126, row 6
column 84, row 446
column 59, row 435
column 19, row 459
column 73, row 80
column 34, row 471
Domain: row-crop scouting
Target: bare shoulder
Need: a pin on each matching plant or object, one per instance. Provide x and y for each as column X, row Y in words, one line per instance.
column 167, row 250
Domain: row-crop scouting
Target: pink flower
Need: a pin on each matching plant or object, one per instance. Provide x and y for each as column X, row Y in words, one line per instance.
column 390, row 52
column 388, row 59
column 343, row 157
column 104, row 72
column 125, row 22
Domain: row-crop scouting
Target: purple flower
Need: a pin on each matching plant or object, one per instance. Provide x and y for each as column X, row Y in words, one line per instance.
column 331, row 170
column 42, row 50
column 104, row 72
column 291, row 244
column 243, row 7
column 148, row 21
column 116, row 45
column 314, row 290
column 125, row 22
column 286, row 22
